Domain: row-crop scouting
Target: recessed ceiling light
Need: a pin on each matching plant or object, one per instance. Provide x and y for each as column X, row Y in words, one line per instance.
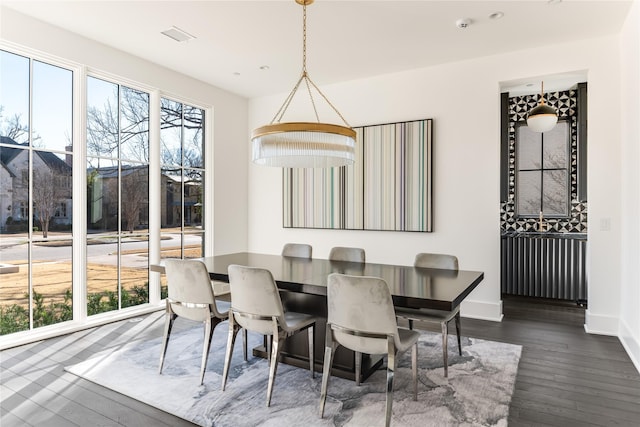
column 264, row 67
column 496, row 15
column 177, row 34
column 236, row 73
column 554, row 1
column 463, row 23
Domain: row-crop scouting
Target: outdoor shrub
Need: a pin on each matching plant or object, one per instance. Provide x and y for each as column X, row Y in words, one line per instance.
column 93, row 303
column 15, row 318
column 138, row 294
column 53, row 312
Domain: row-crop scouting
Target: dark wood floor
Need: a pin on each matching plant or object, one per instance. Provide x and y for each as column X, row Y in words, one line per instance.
column 565, row 378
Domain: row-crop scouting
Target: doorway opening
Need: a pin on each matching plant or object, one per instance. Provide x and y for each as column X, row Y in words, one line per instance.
column 543, row 198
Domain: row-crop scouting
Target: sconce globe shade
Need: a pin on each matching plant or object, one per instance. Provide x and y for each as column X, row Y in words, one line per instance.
column 542, row 118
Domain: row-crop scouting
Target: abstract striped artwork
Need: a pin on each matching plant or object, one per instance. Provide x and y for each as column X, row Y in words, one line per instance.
column 389, row 187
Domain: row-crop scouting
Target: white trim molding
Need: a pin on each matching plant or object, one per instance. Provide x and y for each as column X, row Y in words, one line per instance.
column 630, row 343
column 601, row 324
column 482, row 310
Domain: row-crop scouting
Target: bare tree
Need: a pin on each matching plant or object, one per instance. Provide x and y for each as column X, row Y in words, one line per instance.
column 134, row 143
column 134, row 194
column 48, row 194
column 188, row 121
column 12, row 127
column 193, row 140
column 120, row 130
column 102, row 130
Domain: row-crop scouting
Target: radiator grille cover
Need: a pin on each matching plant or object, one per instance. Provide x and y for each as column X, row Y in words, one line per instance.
column 547, row 267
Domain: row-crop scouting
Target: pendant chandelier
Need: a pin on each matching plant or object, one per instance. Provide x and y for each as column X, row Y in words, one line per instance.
column 543, row 117
column 303, row 144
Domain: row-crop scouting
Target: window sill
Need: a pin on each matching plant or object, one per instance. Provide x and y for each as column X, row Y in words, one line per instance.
column 27, row 337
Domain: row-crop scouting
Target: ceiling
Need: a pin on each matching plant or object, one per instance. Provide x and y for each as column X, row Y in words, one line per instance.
column 254, row 48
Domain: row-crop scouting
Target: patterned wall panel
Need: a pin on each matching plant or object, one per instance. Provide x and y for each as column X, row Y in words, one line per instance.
column 566, row 104
column 388, row 188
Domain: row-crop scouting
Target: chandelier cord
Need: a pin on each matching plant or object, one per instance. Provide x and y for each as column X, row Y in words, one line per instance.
column 304, row 38
column 287, row 101
column 283, row 108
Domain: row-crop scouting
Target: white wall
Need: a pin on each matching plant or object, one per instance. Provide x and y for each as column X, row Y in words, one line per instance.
column 229, row 122
column 630, row 126
column 463, row 99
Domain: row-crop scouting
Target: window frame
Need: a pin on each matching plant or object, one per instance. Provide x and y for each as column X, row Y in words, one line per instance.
column 181, row 213
column 78, row 209
column 542, row 169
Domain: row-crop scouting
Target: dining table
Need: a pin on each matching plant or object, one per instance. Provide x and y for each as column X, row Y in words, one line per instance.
column 303, row 288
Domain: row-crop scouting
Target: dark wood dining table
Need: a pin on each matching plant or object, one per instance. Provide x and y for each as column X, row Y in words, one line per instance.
column 303, row 283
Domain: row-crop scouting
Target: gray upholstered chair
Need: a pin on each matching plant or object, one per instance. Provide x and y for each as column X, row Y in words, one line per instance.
column 297, row 250
column 361, row 317
column 256, row 306
column 339, row 253
column 191, row 295
column 442, row 317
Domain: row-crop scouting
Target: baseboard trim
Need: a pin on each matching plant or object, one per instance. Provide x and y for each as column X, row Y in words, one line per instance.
column 599, row 324
column 630, row 343
column 482, row 310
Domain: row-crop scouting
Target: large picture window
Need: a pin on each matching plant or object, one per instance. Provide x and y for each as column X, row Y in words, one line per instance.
column 75, row 216
column 543, row 168
column 117, row 195
column 36, row 156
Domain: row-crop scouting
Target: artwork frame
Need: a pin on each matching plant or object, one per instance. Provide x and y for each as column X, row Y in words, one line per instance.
column 388, row 188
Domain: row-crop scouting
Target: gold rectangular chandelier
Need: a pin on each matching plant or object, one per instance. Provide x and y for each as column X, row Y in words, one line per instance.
column 303, row 144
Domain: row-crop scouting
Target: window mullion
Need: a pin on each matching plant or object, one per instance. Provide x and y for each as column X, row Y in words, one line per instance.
column 119, row 210
column 30, row 211
column 542, row 172
column 155, row 199
column 79, row 187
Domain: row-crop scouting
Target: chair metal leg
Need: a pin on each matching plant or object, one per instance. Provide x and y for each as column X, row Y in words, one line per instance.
column 273, row 366
column 206, row 346
column 445, row 331
column 326, row 370
column 391, row 367
column 233, row 330
column 358, row 356
column 312, row 354
column 414, row 370
column 244, row 344
column 168, row 325
column 269, row 341
column 458, row 332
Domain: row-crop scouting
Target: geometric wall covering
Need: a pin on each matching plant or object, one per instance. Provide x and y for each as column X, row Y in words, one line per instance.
column 389, row 187
column 576, row 222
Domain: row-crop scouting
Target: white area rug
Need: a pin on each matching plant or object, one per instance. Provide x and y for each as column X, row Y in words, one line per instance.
column 477, row 392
